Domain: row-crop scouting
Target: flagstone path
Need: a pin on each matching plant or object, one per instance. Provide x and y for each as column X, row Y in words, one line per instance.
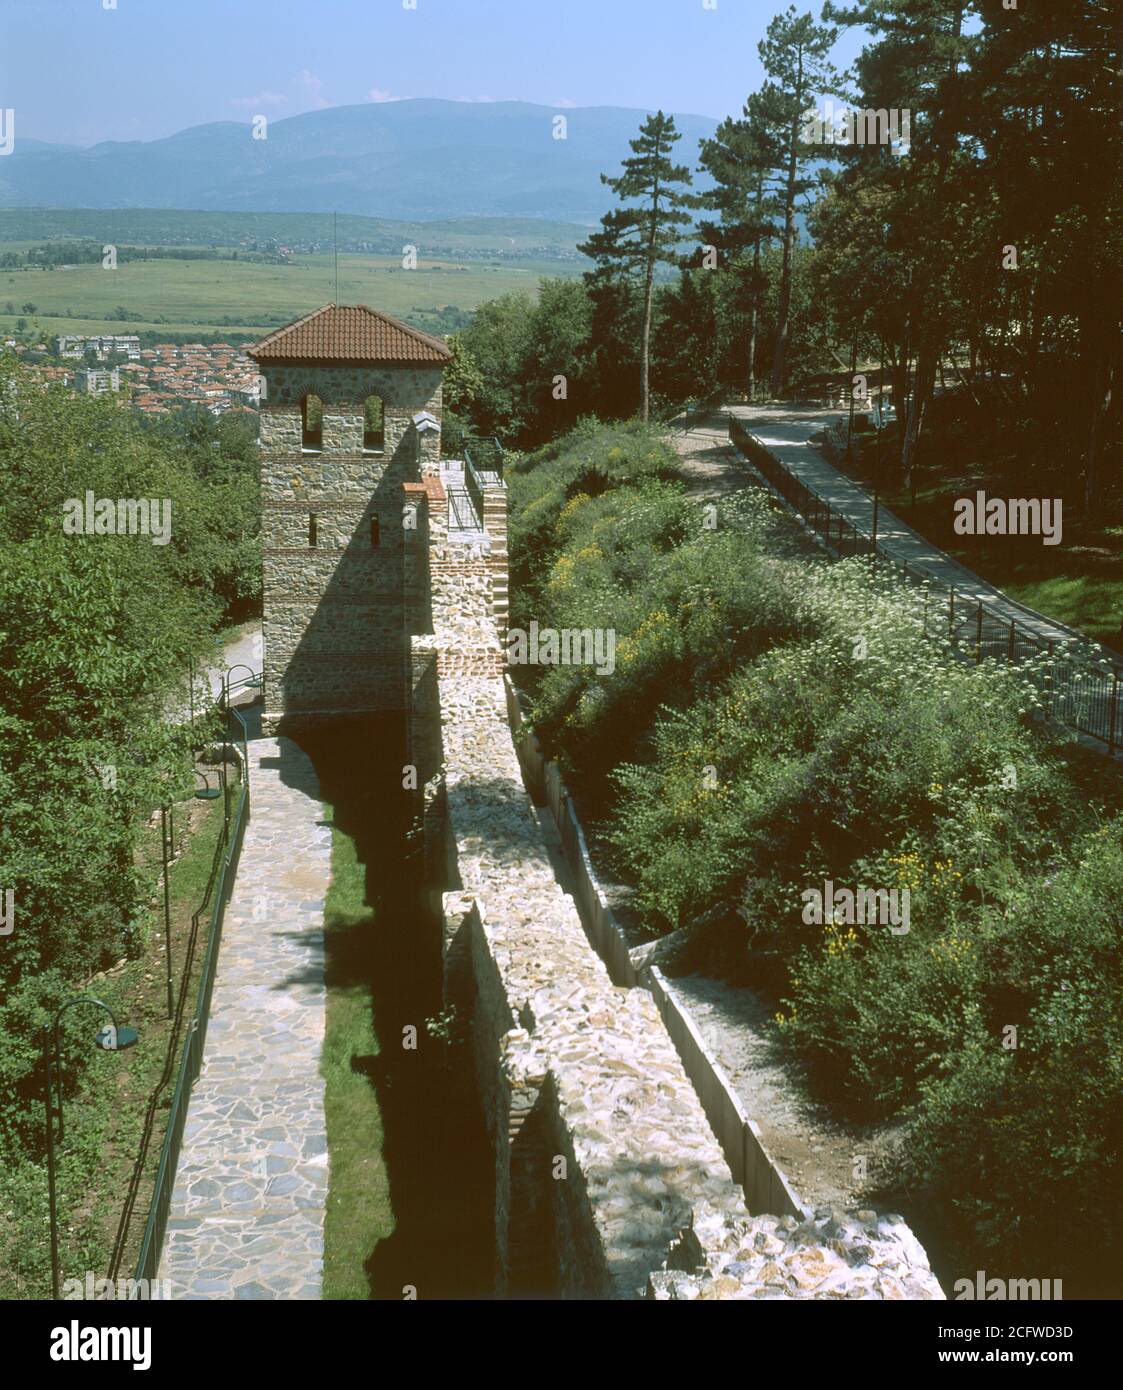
column 247, row 1212
column 785, row 431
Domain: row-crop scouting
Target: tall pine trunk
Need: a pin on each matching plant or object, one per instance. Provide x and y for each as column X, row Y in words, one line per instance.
column 645, row 346
column 783, row 313
column 754, row 319
column 926, row 360
column 1101, row 371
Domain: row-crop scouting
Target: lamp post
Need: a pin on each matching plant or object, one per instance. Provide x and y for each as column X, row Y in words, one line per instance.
column 253, row 683
column 111, row 1038
column 206, row 792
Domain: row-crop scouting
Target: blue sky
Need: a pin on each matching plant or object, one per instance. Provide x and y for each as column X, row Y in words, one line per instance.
column 78, row 73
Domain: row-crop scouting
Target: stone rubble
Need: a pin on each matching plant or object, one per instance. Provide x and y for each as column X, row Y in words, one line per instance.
column 830, row 1255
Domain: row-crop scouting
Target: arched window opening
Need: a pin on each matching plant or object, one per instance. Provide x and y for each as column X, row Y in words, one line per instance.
column 312, row 422
column 374, row 531
column 313, row 530
column 374, row 435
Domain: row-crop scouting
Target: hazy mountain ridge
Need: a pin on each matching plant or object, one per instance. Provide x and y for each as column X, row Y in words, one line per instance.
column 409, row 159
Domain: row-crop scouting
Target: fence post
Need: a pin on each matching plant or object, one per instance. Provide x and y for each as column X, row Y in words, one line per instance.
column 951, row 613
column 1012, row 653
column 827, row 532
column 979, row 635
column 1113, row 714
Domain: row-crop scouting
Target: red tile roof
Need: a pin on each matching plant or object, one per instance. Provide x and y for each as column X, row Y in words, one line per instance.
column 349, row 333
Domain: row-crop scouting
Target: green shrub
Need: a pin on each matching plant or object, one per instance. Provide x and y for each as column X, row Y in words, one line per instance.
column 775, row 721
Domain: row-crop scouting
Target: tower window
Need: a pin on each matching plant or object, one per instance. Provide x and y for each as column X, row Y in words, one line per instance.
column 311, row 423
column 374, row 433
column 313, row 530
column 374, row 537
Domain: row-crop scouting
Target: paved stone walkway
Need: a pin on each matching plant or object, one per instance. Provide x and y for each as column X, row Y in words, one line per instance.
column 785, row 431
column 711, row 467
column 247, row 1213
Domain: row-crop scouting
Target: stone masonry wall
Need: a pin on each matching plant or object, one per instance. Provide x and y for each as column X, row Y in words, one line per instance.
column 577, row 1078
column 335, row 635
column 609, row 1182
column 638, row 1148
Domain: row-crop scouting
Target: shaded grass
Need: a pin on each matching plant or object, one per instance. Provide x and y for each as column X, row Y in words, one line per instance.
column 410, row 1196
column 359, row 1211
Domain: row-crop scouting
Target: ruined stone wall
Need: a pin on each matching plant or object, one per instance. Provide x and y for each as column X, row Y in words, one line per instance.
column 609, row 1182
column 335, row 626
column 624, row 1116
column 462, row 590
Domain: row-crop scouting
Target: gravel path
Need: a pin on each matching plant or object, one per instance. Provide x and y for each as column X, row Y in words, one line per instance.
column 819, row 1155
column 712, row 467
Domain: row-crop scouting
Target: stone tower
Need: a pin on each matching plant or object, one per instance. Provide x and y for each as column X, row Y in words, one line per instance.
column 350, row 415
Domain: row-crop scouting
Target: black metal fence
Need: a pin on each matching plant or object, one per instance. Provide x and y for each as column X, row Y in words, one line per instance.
column 1076, row 689
column 484, row 454
column 191, row 1059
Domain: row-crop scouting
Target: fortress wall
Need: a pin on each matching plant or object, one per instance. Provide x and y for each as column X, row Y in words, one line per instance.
column 601, row 1146
column 609, row 1181
column 334, row 611
column 553, row 1038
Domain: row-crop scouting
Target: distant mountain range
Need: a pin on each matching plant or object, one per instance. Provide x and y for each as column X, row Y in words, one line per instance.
column 404, row 159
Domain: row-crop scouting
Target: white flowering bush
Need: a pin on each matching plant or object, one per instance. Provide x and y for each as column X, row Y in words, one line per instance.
column 776, row 721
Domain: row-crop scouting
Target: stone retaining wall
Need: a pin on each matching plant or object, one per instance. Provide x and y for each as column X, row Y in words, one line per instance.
column 609, row 1181
column 621, row 1113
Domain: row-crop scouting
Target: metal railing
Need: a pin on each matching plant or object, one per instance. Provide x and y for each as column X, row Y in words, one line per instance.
column 465, row 509
column 474, row 487
column 484, row 454
column 216, row 897
column 1076, row 689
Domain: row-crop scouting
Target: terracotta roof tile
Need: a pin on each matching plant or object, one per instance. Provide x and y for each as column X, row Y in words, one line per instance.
column 349, row 333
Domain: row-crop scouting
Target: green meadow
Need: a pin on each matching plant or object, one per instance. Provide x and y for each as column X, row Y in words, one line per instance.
column 211, row 296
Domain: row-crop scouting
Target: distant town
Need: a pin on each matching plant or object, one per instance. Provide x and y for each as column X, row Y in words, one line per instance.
column 154, row 380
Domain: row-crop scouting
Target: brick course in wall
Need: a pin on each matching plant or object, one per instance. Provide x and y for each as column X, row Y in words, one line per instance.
column 342, row 572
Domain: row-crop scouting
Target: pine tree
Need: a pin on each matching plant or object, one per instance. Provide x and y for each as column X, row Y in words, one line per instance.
column 794, row 53
column 646, row 231
column 1044, row 101
column 915, row 65
column 740, row 158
